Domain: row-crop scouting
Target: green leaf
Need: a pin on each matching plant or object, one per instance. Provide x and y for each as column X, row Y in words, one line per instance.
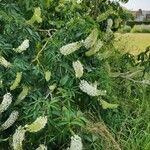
column 36, row 16
column 106, row 105
column 64, row 80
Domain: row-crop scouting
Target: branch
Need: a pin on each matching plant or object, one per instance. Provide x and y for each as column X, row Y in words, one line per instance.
column 48, row 31
column 37, row 56
column 129, row 76
column 146, row 82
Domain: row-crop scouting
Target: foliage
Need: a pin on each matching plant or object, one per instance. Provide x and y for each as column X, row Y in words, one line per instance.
column 141, row 29
column 125, row 29
column 40, row 42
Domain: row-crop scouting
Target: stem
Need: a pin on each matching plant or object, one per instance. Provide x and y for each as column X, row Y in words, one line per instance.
column 38, row 55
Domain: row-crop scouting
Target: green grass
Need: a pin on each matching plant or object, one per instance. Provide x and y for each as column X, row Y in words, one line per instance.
column 132, row 42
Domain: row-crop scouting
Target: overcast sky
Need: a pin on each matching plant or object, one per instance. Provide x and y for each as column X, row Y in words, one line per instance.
column 137, row 4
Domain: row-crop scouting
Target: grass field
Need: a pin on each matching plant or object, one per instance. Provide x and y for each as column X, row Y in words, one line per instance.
column 132, row 42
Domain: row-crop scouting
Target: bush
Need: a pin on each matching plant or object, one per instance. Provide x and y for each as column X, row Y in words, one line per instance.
column 141, row 29
column 125, row 29
column 58, row 62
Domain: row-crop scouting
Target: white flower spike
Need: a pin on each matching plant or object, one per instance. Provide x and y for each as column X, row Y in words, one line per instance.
column 23, row 47
column 78, row 68
column 91, row 39
column 90, row 89
column 37, row 125
column 10, row 121
column 70, row 48
column 7, row 100
column 42, row 147
column 76, row 143
column 98, row 45
column 79, row 1
column 16, row 81
column 4, row 62
column 18, row 138
column 109, row 23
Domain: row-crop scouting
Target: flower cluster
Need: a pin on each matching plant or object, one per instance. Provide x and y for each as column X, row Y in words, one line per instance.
column 91, row 39
column 19, row 135
column 109, row 23
column 36, row 16
column 7, row 100
column 22, row 95
column 79, row 1
column 10, row 121
column 23, row 47
column 37, row 125
column 78, row 68
column 1, row 83
column 95, row 48
column 47, row 75
column 76, row 143
column 90, row 89
column 42, row 147
column 70, row 48
column 18, row 138
column 16, row 81
column 4, row 62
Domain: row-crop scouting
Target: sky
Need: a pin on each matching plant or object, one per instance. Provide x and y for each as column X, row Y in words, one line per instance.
column 138, row 4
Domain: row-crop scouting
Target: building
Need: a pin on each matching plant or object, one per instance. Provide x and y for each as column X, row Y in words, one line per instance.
column 141, row 15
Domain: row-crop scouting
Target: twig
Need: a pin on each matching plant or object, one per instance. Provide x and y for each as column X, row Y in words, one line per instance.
column 147, row 82
column 129, row 75
column 49, row 94
column 37, row 56
column 48, row 31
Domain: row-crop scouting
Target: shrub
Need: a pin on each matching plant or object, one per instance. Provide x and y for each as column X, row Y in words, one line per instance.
column 57, row 60
column 125, row 29
column 141, row 29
